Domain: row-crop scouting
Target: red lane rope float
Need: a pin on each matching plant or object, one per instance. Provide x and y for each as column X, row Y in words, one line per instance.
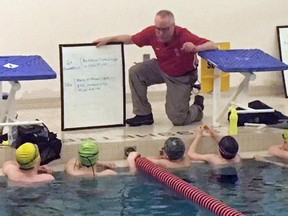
column 187, row 189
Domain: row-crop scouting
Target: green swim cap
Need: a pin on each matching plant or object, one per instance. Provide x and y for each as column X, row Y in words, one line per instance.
column 174, row 148
column 88, row 153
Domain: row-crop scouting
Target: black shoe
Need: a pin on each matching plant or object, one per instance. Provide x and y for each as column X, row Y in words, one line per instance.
column 139, row 120
column 199, row 100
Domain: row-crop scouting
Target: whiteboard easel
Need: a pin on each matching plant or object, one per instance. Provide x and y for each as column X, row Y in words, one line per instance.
column 283, row 48
column 92, row 86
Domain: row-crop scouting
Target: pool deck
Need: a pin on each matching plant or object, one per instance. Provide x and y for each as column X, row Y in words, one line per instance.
column 148, row 139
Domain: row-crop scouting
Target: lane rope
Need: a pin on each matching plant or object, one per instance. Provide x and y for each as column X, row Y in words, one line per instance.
column 188, row 190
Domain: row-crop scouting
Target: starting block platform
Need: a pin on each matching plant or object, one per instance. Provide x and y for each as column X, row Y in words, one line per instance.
column 248, row 62
column 14, row 69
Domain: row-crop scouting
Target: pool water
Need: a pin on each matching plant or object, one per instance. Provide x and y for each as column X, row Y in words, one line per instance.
column 122, row 195
column 261, row 189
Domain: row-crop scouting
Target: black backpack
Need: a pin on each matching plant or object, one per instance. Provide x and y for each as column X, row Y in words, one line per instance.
column 48, row 143
column 275, row 118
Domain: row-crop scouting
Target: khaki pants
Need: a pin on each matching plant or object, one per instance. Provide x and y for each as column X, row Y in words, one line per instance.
column 178, row 92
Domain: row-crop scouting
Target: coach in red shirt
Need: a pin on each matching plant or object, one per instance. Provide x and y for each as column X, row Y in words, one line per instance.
column 175, row 64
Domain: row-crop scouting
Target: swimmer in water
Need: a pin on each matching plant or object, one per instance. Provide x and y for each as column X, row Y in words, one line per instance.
column 26, row 168
column 172, row 154
column 227, row 149
column 280, row 151
column 87, row 164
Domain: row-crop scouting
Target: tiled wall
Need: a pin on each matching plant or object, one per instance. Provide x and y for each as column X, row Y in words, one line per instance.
column 249, row 139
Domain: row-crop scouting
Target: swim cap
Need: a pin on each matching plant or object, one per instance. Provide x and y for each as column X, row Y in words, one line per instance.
column 228, row 147
column 285, row 135
column 174, row 148
column 88, row 153
column 27, row 155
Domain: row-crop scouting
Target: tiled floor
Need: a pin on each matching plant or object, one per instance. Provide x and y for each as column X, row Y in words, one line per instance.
column 147, row 139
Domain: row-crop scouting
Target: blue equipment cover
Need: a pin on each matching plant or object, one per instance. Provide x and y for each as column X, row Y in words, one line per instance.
column 243, row 60
column 32, row 67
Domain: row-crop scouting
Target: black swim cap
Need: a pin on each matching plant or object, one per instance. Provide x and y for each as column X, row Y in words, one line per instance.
column 228, row 147
column 174, row 148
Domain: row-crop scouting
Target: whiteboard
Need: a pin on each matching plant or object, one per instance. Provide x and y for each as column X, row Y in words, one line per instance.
column 92, row 86
column 283, row 48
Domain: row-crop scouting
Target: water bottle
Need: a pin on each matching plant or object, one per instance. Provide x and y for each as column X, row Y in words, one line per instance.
column 233, row 122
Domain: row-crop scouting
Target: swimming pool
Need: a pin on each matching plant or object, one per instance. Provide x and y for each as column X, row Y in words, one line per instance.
column 123, row 195
column 261, row 189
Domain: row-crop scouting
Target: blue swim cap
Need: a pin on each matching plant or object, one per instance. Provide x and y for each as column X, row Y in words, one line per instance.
column 174, row 148
column 228, row 147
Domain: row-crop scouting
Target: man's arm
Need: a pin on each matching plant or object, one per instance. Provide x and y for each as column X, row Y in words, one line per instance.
column 192, row 48
column 107, row 165
column 126, row 39
column 207, row 46
column 132, row 163
column 44, row 177
column 160, row 162
column 192, row 154
column 214, row 134
column 45, row 169
column 261, row 158
column 277, row 151
column 9, row 167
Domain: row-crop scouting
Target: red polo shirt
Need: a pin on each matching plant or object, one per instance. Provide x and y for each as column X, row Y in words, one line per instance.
column 173, row 61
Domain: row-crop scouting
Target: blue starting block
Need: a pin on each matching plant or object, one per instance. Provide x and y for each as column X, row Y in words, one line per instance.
column 14, row 69
column 244, row 61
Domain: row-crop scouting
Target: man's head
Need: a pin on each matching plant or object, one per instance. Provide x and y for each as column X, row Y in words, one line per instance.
column 174, row 148
column 88, row 153
column 27, row 155
column 228, row 147
column 165, row 25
